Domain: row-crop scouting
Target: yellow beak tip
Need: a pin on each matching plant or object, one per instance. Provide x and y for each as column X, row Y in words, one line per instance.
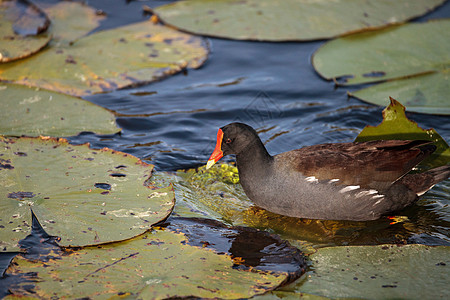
column 210, row 163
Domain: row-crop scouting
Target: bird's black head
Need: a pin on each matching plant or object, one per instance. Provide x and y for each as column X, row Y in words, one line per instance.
column 233, row 139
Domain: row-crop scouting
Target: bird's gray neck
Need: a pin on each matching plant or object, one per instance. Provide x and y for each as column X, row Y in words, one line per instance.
column 254, row 159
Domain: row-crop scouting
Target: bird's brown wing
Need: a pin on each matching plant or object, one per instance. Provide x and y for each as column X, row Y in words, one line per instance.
column 374, row 164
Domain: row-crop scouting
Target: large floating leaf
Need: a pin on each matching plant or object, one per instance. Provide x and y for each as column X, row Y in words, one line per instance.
column 109, row 60
column 82, row 195
column 288, row 20
column 380, row 272
column 396, row 125
column 415, row 49
column 190, row 257
column 427, row 93
column 22, row 30
column 34, row 112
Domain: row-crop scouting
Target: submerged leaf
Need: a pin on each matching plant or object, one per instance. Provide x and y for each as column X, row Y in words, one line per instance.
column 185, row 258
column 60, row 182
column 288, row 20
column 396, row 125
column 34, row 112
column 22, row 30
column 380, row 272
column 108, row 60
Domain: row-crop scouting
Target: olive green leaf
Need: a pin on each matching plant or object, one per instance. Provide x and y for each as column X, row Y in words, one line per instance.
column 380, row 272
column 288, row 20
column 396, row 125
column 416, row 55
column 108, row 60
column 34, row 112
column 81, row 195
column 188, row 258
column 22, row 30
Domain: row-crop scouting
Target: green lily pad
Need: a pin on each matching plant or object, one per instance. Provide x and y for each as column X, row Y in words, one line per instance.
column 22, row 30
column 109, row 60
column 186, row 258
column 423, row 94
column 70, row 20
column 396, row 125
column 288, row 20
column 397, row 52
column 416, row 55
column 81, row 195
column 380, row 272
column 34, row 112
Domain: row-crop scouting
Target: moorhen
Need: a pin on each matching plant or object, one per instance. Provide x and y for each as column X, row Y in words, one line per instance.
column 343, row 181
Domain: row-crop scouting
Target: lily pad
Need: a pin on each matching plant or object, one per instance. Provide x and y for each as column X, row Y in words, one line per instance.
column 288, row 20
column 22, row 30
column 34, row 112
column 380, row 272
column 70, row 20
column 27, row 18
column 109, row 60
column 396, row 125
column 395, row 52
column 417, row 55
column 422, row 94
column 79, row 194
column 185, row 258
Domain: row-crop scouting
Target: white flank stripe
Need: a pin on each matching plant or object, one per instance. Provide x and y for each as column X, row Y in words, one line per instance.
column 312, row 179
column 367, row 193
column 378, row 202
column 349, row 188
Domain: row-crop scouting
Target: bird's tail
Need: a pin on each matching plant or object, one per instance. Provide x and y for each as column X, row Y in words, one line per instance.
column 420, row 183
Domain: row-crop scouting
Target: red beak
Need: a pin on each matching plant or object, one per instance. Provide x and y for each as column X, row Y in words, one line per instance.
column 217, row 154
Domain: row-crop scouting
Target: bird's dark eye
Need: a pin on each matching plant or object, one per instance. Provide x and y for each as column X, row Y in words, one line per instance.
column 228, row 141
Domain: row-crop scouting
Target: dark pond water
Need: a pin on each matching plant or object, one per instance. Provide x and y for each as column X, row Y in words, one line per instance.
column 271, row 86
